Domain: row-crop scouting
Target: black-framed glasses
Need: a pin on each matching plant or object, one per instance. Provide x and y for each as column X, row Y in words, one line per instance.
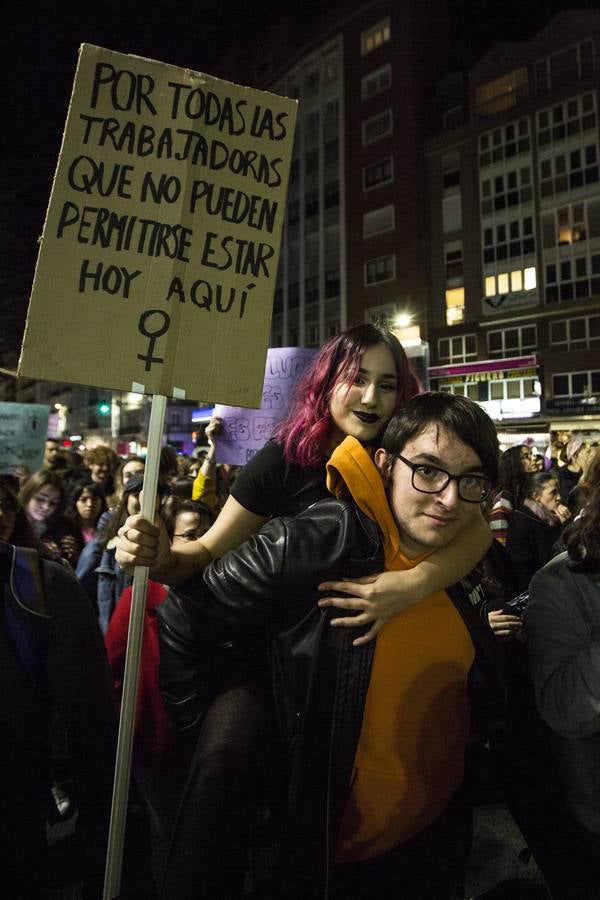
column 431, row 480
column 192, row 535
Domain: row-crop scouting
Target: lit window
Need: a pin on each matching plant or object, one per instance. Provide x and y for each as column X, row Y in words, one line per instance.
column 516, row 280
column 455, row 305
column 374, row 37
column 503, row 283
column 530, row 278
column 490, row 286
column 503, row 93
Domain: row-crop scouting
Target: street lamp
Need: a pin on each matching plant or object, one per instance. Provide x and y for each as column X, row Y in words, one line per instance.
column 402, row 320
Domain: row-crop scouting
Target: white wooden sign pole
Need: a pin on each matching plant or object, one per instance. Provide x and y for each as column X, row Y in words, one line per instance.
column 118, row 815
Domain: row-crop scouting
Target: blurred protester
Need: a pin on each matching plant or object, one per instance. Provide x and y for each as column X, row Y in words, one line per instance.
column 194, row 466
column 556, row 450
column 57, row 721
column 168, row 468
column 515, row 464
column 97, row 569
column 86, row 504
column 538, row 463
column 205, row 481
column 131, row 465
column 213, row 483
column 52, row 457
column 14, row 524
column 75, row 467
column 561, row 626
column 186, row 519
column 523, row 761
column 589, row 480
column 101, row 463
column 536, row 526
column 155, row 767
column 99, row 572
column 181, row 488
column 43, row 499
column 569, row 474
column 183, row 465
column 56, row 459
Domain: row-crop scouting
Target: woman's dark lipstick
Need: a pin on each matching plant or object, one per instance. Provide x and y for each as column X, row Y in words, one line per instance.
column 368, row 418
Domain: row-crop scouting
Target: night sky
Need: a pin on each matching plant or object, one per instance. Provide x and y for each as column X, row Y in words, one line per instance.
column 42, row 41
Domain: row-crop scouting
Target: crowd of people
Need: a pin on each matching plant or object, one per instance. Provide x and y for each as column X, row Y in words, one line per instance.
column 336, row 636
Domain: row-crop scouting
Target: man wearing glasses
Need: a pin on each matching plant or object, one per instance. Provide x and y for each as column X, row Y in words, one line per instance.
column 376, row 734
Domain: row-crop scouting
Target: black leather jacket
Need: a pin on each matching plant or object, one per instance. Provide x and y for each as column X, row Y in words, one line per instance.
column 265, row 594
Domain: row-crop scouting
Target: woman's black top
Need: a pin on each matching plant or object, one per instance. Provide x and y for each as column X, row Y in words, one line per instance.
column 270, row 485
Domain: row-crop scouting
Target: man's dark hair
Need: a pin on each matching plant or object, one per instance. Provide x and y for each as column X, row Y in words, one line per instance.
column 468, row 421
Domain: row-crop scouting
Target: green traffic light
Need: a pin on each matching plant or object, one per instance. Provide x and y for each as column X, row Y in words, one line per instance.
column 103, row 409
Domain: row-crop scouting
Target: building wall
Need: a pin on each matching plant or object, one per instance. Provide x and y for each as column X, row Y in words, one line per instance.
column 354, row 246
column 525, row 197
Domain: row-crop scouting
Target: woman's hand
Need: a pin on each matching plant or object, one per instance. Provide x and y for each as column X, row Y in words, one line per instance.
column 504, row 625
column 69, row 548
column 140, row 543
column 213, row 429
column 563, row 513
column 376, row 598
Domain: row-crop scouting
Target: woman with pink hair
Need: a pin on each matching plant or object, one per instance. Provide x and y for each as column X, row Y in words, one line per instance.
column 353, row 387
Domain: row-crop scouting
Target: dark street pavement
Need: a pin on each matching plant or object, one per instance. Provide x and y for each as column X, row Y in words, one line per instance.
column 494, row 870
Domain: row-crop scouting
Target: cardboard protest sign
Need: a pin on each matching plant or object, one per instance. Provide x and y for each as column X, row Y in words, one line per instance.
column 159, row 255
column 246, row 430
column 23, row 428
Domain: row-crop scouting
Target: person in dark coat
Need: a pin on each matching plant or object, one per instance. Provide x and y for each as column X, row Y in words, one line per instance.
column 561, row 626
column 57, row 721
column 536, row 526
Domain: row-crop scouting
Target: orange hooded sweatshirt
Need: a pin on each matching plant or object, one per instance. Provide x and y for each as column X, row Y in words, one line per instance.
column 410, row 756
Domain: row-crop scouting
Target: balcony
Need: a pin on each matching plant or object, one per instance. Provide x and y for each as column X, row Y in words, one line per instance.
column 588, row 406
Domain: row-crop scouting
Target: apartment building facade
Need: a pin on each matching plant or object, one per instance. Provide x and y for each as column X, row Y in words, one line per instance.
column 354, row 246
column 514, row 231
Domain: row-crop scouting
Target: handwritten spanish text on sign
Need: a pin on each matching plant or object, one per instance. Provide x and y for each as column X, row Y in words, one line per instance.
column 23, row 429
column 161, row 243
column 246, row 430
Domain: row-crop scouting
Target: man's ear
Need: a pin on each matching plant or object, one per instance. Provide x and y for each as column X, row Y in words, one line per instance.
column 383, row 461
